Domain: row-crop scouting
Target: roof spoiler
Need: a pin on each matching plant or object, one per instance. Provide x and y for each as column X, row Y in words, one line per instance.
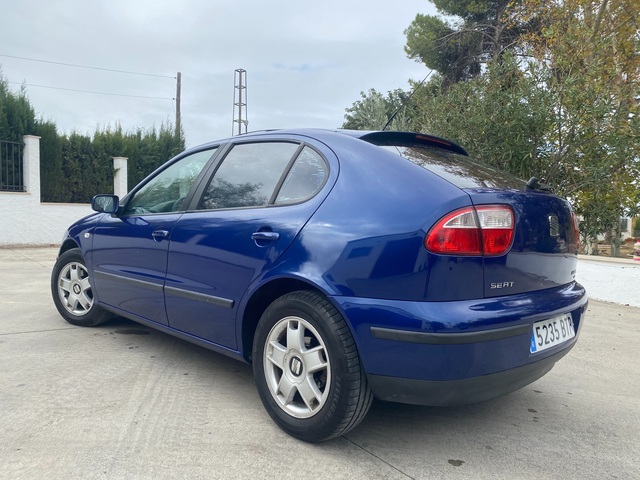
column 410, row 139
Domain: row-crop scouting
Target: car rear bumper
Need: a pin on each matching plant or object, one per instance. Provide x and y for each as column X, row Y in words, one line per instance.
column 461, row 392
column 452, row 353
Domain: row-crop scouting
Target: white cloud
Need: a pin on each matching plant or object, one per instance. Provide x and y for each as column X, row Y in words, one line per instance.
column 305, row 62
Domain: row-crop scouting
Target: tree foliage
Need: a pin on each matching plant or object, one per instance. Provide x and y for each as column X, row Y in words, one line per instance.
column 53, row 185
column 482, row 30
column 77, row 166
column 374, row 110
column 500, row 117
column 16, row 113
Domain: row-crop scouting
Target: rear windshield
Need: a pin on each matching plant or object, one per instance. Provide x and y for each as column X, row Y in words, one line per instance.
column 457, row 169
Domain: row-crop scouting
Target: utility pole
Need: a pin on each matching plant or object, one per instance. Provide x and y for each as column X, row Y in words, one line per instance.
column 178, row 89
column 240, row 100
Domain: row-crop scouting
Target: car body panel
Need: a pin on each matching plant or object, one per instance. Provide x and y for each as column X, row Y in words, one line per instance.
column 542, row 255
column 213, row 254
column 129, row 263
column 420, row 358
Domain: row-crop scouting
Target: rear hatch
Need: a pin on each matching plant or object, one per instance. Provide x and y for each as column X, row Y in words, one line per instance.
column 544, row 240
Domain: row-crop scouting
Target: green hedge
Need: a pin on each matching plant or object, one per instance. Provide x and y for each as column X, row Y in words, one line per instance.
column 75, row 167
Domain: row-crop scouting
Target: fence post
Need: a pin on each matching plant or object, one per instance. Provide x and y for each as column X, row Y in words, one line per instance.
column 120, row 176
column 31, row 166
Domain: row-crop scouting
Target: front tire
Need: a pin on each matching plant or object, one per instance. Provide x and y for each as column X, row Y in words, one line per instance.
column 72, row 292
column 307, row 369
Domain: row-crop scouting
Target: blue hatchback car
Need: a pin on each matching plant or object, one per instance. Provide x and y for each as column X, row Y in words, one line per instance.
column 343, row 265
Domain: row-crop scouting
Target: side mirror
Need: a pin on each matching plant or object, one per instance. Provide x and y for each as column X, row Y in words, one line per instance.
column 105, row 203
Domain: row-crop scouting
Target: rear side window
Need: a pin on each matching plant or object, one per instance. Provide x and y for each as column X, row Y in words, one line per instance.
column 457, row 169
column 304, row 180
column 248, row 175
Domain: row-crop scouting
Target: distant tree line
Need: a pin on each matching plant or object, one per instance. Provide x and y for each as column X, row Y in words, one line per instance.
column 75, row 167
column 539, row 88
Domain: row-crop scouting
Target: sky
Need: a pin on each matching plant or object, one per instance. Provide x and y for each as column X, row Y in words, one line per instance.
column 306, row 62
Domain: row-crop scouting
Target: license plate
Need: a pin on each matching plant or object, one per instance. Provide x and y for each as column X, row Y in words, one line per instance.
column 551, row 332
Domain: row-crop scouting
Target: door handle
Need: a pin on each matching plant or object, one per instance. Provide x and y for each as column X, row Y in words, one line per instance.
column 265, row 236
column 160, row 234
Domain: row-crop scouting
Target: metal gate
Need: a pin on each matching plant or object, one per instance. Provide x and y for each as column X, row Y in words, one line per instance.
column 11, row 167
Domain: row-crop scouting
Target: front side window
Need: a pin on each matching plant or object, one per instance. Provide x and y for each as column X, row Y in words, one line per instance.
column 248, row 175
column 166, row 191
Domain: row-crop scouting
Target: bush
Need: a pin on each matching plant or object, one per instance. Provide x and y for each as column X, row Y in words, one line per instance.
column 75, row 167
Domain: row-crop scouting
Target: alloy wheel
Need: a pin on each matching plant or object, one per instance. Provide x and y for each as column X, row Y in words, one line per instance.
column 296, row 367
column 74, row 289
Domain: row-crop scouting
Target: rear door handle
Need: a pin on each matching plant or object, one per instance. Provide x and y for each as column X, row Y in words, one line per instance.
column 265, row 236
column 160, row 234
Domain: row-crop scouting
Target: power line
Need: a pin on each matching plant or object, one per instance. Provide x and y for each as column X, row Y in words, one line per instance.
column 89, row 91
column 86, row 66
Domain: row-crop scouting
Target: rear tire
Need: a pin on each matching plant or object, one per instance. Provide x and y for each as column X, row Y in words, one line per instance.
column 307, row 369
column 72, row 293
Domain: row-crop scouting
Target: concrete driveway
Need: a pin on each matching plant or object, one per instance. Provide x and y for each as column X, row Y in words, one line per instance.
column 121, row 401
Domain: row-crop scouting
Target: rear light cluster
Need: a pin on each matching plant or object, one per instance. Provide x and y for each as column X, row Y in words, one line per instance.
column 484, row 230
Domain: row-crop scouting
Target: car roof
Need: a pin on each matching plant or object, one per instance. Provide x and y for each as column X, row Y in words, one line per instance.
column 375, row 137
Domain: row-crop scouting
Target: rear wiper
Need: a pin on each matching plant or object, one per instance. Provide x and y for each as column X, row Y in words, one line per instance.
column 535, row 185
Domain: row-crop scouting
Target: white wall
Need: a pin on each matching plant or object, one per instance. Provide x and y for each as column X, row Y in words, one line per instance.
column 25, row 220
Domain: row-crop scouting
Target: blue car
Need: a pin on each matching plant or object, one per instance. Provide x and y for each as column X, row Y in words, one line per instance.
column 343, row 265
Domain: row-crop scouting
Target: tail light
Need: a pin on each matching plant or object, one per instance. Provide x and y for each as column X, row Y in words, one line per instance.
column 484, row 230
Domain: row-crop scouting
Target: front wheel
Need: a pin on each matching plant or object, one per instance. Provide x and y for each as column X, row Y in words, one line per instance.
column 72, row 293
column 307, row 369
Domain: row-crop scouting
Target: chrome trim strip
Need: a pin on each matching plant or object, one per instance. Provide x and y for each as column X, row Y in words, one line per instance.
column 156, row 287
column 178, row 292
column 199, row 297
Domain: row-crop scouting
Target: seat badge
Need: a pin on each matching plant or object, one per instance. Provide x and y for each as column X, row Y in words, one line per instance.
column 495, row 285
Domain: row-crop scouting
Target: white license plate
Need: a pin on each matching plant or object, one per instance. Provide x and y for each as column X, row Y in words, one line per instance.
column 551, row 332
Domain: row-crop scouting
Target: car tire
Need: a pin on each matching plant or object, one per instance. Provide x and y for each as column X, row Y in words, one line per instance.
column 72, row 292
column 307, row 369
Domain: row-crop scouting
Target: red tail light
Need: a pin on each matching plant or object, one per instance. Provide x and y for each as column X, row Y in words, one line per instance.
column 485, row 230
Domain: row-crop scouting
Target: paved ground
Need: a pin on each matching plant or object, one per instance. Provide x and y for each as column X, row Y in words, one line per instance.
column 610, row 279
column 122, row 402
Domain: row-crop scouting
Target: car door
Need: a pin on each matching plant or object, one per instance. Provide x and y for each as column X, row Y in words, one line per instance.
column 257, row 201
column 130, row 249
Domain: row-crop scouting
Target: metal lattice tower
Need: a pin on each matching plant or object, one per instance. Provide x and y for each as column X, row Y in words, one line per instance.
column 240, row 101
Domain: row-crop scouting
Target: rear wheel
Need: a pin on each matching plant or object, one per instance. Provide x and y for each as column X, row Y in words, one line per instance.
column 308, row 373
column 72, row 293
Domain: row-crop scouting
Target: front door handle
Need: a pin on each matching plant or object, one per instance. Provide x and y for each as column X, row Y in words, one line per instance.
column 265, row 236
